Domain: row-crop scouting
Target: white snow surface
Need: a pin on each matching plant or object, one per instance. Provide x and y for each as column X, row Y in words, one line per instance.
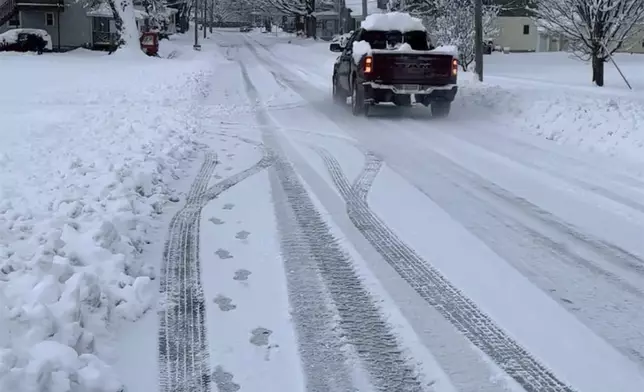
column 360, row 49
column 86, row 168
column 11, row 36
column 496, row 133
column 392, row 21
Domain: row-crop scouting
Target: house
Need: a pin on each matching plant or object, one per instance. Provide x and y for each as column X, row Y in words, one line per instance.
column 70, row 24
column 518, row 33
column 635, row 45
column 64, row 20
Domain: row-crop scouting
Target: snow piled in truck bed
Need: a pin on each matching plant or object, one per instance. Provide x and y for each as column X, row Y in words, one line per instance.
column 446, row 49
column 360, row 48
column 398, row 21
column 86, row 168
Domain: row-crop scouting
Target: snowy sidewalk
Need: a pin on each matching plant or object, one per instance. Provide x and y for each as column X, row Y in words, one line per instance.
column 92, row 147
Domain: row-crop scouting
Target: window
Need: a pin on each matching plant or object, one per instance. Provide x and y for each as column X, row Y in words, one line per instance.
column 384, row 39
column 49, row 19
column 15, row 21
column 526, row 29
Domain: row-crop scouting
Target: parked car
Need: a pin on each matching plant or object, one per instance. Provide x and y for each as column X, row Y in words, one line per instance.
column 25, row 40
column 378, row 66
column 245, row 29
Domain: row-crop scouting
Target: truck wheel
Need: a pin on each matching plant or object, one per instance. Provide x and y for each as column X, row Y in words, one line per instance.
column 358, row 106
column 440, row 109
column 339, row 95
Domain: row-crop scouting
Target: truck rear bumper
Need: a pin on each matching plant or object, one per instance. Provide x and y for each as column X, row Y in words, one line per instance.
column 376, row 92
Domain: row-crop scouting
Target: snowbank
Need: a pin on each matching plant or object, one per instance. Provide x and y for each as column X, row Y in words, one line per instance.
column 612, row 125
column 360, row 49
column 11, row 36
column 398, row 21
column 86, row 168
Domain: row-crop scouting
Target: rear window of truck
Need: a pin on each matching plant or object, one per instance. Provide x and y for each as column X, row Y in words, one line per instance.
column 389, row 39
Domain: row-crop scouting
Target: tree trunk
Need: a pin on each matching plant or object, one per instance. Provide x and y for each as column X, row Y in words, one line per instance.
column 598, row 70
column 118, row 24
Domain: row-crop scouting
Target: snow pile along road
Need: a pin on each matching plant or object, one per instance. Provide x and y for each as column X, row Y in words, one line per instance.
column 552, row 98
column 87, row 162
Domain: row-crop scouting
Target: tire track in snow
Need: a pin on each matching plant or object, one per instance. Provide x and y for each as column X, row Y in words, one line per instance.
column 463, row 313
column 609, row 252
column 318, row 267
column 182, row 341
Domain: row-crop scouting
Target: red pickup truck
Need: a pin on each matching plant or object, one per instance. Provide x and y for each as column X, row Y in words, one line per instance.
column 393, row 66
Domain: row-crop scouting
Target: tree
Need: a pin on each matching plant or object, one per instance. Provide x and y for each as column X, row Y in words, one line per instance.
column 594, row 29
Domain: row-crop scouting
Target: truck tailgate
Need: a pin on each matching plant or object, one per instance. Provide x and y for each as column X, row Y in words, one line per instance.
column 391, row 67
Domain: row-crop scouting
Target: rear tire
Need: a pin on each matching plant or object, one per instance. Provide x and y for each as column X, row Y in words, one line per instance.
column 358, row 105
column 440, row 109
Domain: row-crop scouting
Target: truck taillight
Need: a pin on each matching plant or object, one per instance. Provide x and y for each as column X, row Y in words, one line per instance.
column 368, row 64
column 454, row 67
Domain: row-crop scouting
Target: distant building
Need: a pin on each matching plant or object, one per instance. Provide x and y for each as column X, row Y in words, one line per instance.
column 69, row 23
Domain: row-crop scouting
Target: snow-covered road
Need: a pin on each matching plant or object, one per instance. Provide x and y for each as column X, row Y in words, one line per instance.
column 307, row 249
column 514, row 263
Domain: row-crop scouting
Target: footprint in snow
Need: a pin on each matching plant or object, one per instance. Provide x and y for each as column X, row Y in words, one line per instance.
column 224, row 380
column 242, row 235
column 259, row 336
column 223, row 254
column 225, row 304
column 229, row 168
column 228, row 206
column 217, row 177
column 216, row 221
column 242, row 274
column 230, row 155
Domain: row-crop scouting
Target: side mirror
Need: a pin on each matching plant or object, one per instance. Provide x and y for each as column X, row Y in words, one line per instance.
column 335, row 47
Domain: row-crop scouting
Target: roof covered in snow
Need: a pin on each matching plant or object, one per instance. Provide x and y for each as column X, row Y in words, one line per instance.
column 398, row 21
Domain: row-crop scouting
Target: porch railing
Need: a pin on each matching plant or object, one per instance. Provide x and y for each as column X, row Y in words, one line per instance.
column 103, row 38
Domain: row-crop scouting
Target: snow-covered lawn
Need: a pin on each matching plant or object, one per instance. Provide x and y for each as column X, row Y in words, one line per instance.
column 92, row 146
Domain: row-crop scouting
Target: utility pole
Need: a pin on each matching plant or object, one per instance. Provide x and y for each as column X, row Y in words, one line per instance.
column 364, row 9
column 205, row 19
column 478, row 36
column 212, row 15
column 196, row 7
